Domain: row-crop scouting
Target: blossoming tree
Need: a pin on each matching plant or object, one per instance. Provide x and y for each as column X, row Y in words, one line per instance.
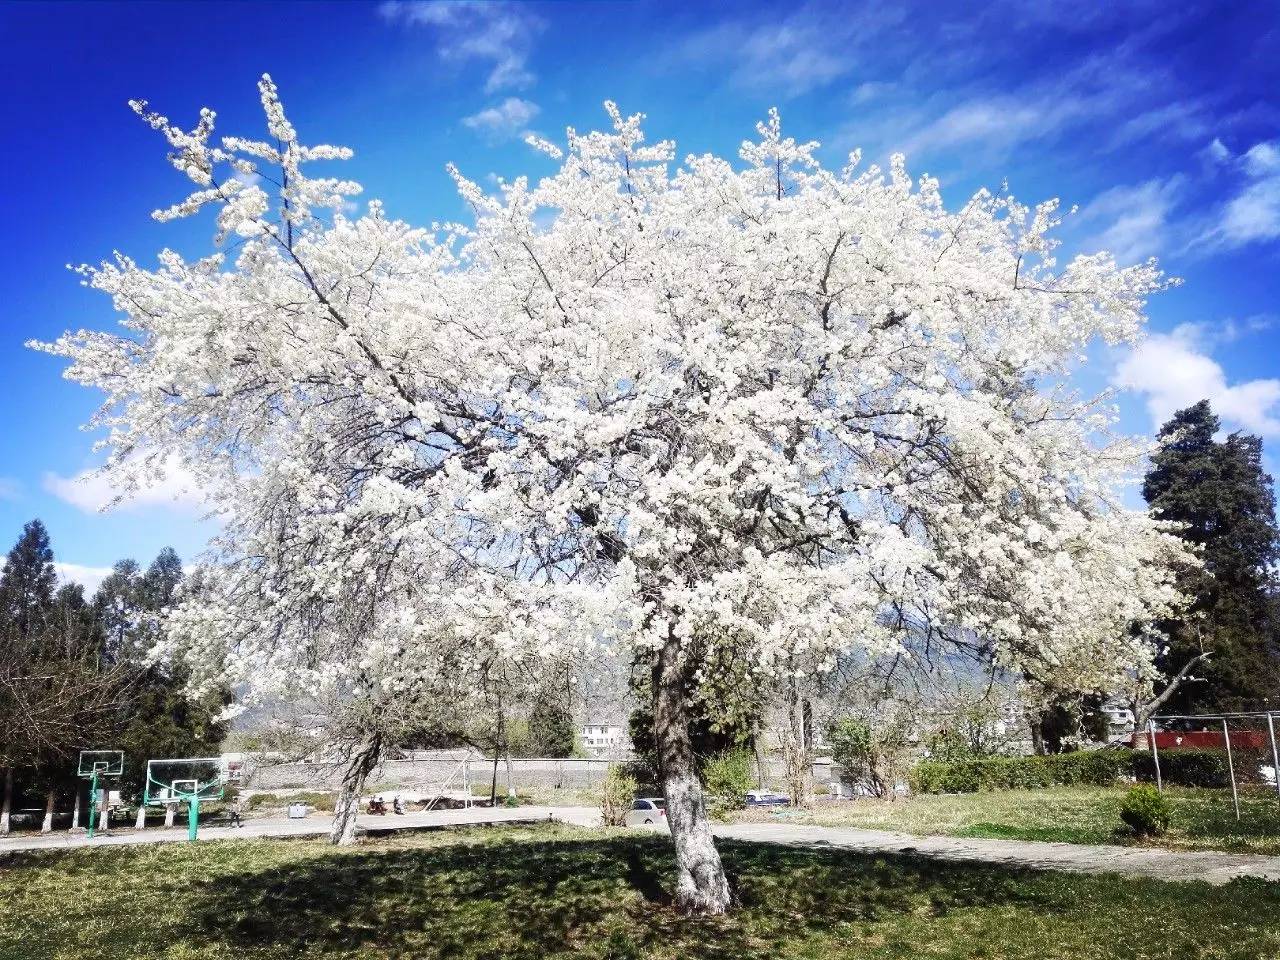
column 730, row 418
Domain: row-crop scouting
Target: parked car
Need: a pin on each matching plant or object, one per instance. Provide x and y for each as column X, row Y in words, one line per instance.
column 647, row 810
column 767, row 798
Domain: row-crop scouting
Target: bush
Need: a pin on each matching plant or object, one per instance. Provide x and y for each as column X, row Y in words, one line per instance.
column 616, row 794
column 1146, row 811
column 1185, row 768
column 728, row 777
column 1090, row 767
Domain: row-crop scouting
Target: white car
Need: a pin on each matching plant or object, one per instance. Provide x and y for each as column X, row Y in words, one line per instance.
column 647, row 810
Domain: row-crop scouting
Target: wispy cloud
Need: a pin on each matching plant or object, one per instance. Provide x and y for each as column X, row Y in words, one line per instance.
column 10, row 489
column 1252, row 213
column 1133, row 222
column 1107, row 88
column 1175, row 370
column 91, row 490
column 497, row 34
column 805, row 50
column 504, row 120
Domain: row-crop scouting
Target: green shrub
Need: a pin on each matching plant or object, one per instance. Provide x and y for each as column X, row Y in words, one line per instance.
column 1085, row 768
column 1185, row 768
column 616, row 795
column 727, row 777
column 1146, row 811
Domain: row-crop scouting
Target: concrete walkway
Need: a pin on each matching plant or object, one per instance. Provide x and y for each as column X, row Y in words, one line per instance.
column 314, row 825
column 1215, row 868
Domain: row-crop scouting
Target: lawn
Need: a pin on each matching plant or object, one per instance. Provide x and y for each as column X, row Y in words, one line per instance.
column 1202, row 819
column 555, row 892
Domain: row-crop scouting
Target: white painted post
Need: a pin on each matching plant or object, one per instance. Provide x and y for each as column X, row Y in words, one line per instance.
column 1231, row 767
column 1155, row 754
column 1275, row 755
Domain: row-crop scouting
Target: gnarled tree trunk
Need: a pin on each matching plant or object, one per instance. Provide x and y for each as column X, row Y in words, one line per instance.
column 360, row 764
column 701, row 886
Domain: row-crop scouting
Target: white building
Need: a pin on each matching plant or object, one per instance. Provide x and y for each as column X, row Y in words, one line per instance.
column 605, row 739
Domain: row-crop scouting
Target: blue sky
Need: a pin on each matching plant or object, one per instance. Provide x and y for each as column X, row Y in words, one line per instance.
column 1160, row 121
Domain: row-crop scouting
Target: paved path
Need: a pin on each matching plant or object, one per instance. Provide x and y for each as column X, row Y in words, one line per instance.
column 315, row 825
column 1215, row 868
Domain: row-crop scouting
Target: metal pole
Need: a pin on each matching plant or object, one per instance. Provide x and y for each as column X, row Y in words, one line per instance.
column 93, row 802
column 1155, row 754
column 193, row 816
column 1275, row 755
column 1231, row 767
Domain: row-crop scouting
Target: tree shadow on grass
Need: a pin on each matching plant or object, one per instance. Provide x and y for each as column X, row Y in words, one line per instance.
column 586, row 897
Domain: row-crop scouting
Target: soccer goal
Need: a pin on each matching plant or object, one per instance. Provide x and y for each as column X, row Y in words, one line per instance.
column 95, row 765
column 189, row 780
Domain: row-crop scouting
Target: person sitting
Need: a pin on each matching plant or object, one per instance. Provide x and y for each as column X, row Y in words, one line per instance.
column 397, row 804
column 378, row 805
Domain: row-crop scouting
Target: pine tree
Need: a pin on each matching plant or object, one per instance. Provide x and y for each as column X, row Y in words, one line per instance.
column 551, row 732
column 160, row 720
column 27, row 585
column 1221, row 495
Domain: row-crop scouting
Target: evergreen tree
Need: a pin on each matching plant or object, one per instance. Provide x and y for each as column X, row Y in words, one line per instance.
column 1224, row 500
column 160, row 582
column 551, row 732
column 120, row 602
column 161, row 720
column 55, row 696
column 27, row 585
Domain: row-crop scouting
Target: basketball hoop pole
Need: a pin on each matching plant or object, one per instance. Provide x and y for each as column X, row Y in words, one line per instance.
column 93, row 800
column 193, row 815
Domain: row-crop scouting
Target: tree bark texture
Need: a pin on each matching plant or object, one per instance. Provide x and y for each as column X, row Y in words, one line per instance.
column 701, row 886
column 361, row 763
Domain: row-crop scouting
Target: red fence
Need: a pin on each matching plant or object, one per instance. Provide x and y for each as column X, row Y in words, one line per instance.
column 1211, row 740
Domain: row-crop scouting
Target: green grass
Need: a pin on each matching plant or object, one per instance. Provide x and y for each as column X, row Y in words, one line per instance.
column 1202, row 819
column 552, row 892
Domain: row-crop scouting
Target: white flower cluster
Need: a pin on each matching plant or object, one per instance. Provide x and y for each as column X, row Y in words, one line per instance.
column 770, row 409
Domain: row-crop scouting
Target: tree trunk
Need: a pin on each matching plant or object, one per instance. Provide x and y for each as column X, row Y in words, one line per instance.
column 755, row 745
column 170, row 814
column 6, row 802
column 361, row 763
column 75, row 808
column 140, row 821
column 701, row 886
column 46, row 825
column 1036, row 726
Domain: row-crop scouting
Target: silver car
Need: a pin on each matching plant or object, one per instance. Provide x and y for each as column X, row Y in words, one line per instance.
column 647, row 810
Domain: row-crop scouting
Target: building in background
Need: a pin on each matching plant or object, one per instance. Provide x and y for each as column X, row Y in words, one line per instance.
column 605, row 737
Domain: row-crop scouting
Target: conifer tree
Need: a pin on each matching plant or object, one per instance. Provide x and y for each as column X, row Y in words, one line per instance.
column 1220, row 494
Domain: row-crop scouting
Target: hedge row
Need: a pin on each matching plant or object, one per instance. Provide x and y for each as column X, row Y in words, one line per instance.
column 1188, row 768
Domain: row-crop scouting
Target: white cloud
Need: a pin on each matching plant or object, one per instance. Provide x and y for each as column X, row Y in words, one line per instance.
column 504, row 120
column 1252, row 215
column 804, row 51
column 1173, row 371
column 91, row 490
column 1132, row 222
column 494, row 33
column 10, row 489
column 88, row 577
column 1216, row 153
